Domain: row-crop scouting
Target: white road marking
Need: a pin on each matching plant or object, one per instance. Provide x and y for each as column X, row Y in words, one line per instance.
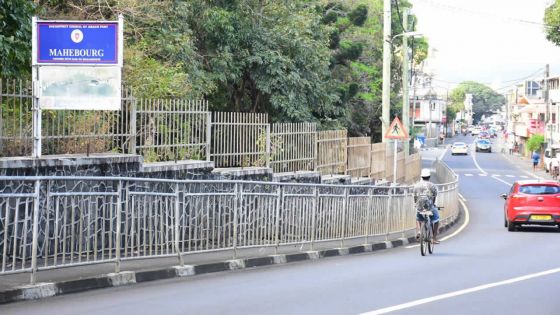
column 461, row 292
column 476, row 163
column 501, row 180
column 523, row 176
column 497, row 175
column 510, row 176
column 461, row 228
column 482, row 174
column 441, row 155
column 468, row 174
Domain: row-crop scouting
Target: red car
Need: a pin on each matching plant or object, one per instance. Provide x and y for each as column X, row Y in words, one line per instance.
column 532, row 202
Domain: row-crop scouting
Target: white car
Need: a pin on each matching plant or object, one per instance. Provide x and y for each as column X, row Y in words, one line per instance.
column 459, row 148
column 475, row 131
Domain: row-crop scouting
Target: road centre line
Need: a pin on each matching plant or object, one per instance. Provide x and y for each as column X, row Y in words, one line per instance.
column 473, row 155
column 496, row 178
column 461, row 228
column 461, row 292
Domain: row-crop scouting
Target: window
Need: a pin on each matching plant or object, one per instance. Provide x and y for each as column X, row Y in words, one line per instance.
column 539, row 189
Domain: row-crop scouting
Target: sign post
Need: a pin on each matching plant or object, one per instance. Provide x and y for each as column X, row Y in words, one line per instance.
column 76, row 65
column 396, row 132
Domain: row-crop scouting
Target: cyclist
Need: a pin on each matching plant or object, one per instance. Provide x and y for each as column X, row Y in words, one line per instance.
column 425, row 194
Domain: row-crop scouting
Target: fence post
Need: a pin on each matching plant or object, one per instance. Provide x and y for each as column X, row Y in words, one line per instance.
column 277, row 215
column 344, row 214
column 368, row 218
column 132, row 129
column 315, row 149
column 208, row 134
column 237, row 208
column 35, row 244
column 403, row 211
column 388, row 212
column 176, row 225
column 268, row 153
column 118, row 230
column 36, row 115
column 314, row 215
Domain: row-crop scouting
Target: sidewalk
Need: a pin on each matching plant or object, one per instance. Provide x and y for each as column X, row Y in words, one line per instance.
column 524, row 164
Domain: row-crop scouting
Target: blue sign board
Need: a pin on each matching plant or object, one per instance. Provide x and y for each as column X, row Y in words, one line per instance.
column 75, row 43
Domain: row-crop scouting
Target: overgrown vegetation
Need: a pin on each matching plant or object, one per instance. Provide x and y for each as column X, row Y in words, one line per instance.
column 300, row 60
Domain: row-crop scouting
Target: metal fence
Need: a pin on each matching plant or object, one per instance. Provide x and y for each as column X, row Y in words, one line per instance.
column 52, row 222
column 64, row 131
column 240, row 139
column 168, row 130
column 172, row 130
column 293, row 147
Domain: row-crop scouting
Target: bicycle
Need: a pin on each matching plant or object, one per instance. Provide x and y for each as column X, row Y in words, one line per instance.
column 426, row 232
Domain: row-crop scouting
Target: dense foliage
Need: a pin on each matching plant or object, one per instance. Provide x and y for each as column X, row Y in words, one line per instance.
column 552, row 22
column 15, row 37
column 535, row 143
column 299, row 60
column 485, row 100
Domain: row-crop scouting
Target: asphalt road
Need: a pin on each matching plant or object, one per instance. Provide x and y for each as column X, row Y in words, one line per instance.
column 482, row 270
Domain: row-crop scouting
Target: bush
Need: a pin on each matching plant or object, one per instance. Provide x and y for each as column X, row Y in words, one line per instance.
column 535, row 143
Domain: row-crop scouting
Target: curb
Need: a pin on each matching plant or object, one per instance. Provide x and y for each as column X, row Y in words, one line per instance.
column 47, row 289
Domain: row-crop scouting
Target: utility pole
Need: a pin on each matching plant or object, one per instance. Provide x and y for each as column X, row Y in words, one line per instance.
column 386, row 94
column 405, row 98
column 546, row 101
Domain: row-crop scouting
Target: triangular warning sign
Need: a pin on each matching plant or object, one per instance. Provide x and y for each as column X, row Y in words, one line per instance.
column 396, row 130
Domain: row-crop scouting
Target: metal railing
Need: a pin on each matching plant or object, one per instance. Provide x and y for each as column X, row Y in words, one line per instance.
column 52, row 222
column 170, row 130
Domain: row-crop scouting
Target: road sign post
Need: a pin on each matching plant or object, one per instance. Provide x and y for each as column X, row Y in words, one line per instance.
column 396, row 132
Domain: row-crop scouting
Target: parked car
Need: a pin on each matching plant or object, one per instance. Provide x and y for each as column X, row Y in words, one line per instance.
column 550, row 155
column 483, row 145
column 492, row 132
column 459, row 148
column 475, row 131
column 532, row 202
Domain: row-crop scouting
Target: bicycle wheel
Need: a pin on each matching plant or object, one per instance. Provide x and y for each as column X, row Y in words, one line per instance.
column 423, row 237
column 430, row 238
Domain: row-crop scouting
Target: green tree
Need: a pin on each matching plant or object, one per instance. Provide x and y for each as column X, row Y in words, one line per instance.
column 266, row 56
column 485, row 100
column 552, row 21
column 535, row 143
column 15, row 38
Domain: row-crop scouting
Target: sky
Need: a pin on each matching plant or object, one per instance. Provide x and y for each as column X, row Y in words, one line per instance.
column 486, row 40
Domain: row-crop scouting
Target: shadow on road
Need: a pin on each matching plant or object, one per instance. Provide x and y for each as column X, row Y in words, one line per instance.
column 538, row 229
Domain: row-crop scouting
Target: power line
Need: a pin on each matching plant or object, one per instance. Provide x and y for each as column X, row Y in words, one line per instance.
column 489, row 83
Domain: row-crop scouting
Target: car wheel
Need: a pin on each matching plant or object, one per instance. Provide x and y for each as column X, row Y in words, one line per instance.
column 505, row 222
column 510, row 227
column 489, row 151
